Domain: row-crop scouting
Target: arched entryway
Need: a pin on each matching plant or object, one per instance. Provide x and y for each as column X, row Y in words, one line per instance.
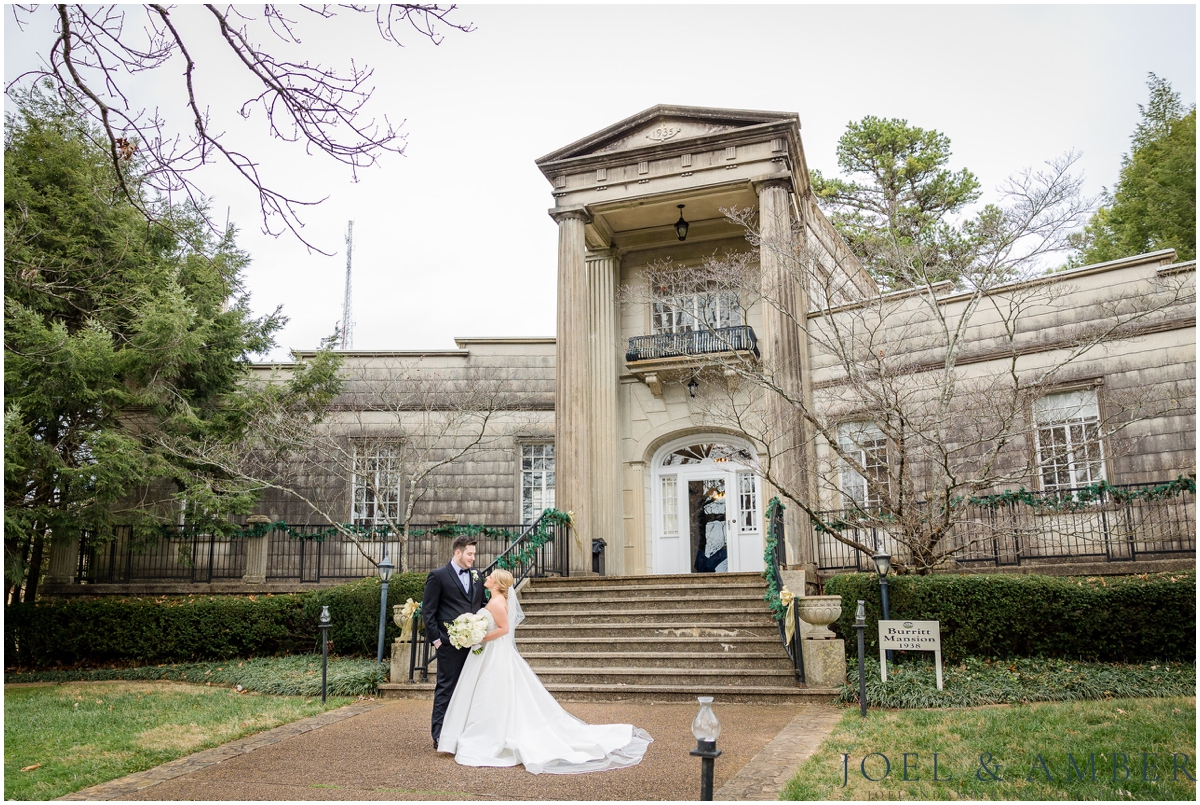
column 706, row 514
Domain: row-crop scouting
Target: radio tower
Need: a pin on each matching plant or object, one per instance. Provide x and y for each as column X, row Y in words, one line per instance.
column 347, row 322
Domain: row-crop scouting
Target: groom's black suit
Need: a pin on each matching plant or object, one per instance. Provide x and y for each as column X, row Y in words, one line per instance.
column 444, row 601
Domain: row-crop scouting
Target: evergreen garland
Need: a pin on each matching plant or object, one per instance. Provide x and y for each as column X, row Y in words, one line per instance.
column 534, row 539
column 776, row 605
column 1080, row 498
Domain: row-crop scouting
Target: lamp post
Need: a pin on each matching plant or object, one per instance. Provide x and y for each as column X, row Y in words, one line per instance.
column 324, row 649
column 385, row 572
column 706, row 728
column 860, row 623
column 883, row 563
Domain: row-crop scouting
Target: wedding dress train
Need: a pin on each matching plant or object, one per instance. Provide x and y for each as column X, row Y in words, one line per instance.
column 502, row 715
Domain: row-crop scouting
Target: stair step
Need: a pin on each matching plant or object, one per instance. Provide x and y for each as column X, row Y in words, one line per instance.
column 670, row 677
column 675, row 617
column 709, row 630
column 729, row 663
column 749, row 602
column 612, row 591
column 722, row 694
column 700, row 645
column 676, row 579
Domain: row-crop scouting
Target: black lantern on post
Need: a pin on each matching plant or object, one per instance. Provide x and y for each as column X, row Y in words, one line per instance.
column 883, row 564
column 325, row 621
column 385, row 572
column 706, row 728
column 860, row 625
column 681, row 226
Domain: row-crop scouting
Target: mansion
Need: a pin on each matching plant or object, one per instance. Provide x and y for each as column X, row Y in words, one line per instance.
column 718, row 345
column 666, row 413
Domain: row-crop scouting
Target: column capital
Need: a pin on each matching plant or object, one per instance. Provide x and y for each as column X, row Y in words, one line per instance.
column 783, row 180
column 601, row 254
column 560, row 214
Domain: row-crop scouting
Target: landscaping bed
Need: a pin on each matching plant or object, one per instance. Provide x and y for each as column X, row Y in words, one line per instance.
column 973, row 682
column 1024, row 748
column 60, row 738
column 296, row 675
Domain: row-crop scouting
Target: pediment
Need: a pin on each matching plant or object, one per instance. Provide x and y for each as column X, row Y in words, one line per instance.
column 661, row 124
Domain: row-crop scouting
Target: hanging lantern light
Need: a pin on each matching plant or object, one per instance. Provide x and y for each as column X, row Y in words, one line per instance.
column 681, row 226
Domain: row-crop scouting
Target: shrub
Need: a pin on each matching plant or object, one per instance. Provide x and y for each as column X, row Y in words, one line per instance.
column 1109, row 619
column 189, row 628
column 354, row 612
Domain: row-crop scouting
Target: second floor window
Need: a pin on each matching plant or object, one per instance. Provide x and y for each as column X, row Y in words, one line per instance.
column 537, row 480
column 1069, row 451
column 865, row 443
column 376, row 486
column 698, row 311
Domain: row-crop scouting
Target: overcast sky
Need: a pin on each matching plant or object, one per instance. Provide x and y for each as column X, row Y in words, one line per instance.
column 453, row 238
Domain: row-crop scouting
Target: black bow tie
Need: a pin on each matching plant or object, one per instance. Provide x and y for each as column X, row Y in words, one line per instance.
column 464, row 570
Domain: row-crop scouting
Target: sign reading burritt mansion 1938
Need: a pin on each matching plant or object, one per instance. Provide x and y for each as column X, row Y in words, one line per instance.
column 718, row 345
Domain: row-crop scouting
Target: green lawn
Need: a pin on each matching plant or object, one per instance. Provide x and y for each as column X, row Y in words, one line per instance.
column 82, row 734
column 1009, row 739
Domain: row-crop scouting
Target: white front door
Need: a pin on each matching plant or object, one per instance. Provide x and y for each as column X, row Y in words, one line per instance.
column 706, row 513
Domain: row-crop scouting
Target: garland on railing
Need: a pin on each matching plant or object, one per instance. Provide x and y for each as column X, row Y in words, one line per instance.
column 1078, row 498
column 772, row 596
column 534, row 539
column 1085, row 495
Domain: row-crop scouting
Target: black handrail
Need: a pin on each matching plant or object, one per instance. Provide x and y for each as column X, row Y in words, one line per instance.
column 693, row 342
column 794, row 647
column 552, row 557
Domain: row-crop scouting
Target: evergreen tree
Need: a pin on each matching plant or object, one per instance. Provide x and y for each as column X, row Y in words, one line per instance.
column 115, row 329
column 1154, row 203
column 894, row 208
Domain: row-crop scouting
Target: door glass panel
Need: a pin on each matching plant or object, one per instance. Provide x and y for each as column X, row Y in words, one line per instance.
column 670, row 507
column 706, row 514
column 747, row 501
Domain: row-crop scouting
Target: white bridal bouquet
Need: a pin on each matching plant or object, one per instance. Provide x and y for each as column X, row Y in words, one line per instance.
column 467, row 630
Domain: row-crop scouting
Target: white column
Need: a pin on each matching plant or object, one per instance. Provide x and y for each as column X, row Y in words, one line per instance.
column 602, row 267
column 572, row 452
column 784, row 347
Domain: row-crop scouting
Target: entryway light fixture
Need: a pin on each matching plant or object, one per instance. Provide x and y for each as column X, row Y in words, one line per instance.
column 681, row 226
column 692, row 384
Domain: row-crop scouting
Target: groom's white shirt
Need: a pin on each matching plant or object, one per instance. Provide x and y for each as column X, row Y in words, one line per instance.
column 463, row 578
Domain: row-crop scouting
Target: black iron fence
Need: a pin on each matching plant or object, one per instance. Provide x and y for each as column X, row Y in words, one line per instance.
column 1111, row 528
column 181, row 553
column 304, row 553
column 697, row 342
column 295, row 554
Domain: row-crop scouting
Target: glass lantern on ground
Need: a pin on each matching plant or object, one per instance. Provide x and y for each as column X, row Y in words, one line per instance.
column 385, row 573
column 706, row 728
column 860, row 625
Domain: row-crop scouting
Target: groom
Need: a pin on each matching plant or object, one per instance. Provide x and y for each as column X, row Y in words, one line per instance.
column 450, row 591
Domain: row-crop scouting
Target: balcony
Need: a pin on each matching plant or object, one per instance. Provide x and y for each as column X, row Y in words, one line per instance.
column 696, row 342
column 652, row 357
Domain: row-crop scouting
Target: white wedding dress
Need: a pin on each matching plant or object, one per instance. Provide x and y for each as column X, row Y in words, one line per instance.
column 501, row 715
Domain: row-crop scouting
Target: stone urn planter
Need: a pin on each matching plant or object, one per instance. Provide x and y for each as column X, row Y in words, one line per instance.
column 819, row 611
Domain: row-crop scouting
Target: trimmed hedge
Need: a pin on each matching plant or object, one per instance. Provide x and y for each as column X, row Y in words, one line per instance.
column 190, row 628
column 1107, row 619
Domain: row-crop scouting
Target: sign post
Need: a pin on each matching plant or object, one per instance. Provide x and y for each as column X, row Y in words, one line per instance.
column 910, row 636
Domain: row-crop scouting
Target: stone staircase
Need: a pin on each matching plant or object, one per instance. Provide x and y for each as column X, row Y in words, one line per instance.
column 654, row 638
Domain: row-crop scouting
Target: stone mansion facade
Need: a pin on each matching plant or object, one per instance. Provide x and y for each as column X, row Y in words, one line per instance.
column 643, row 415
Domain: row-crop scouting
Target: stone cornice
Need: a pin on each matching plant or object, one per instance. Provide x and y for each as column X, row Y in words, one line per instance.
column 633, row 122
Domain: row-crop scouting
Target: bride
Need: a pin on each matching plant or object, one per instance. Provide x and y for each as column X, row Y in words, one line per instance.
column 501, row 715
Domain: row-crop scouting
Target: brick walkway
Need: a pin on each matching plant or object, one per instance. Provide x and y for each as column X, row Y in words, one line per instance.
column 382, row 750
column 768, row 772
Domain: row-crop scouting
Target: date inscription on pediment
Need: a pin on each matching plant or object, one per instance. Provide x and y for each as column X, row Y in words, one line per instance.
column 662, row 133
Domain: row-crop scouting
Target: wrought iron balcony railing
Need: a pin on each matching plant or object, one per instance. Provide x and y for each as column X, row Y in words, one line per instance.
column 696, row 342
